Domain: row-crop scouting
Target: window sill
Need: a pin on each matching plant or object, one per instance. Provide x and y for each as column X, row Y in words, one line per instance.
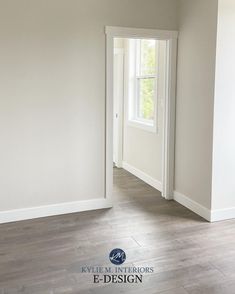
column 142, row 125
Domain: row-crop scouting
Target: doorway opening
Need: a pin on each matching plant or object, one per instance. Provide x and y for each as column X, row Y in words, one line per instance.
column 140, row 106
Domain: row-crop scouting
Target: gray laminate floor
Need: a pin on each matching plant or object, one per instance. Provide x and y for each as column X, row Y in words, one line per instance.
column 188, row 254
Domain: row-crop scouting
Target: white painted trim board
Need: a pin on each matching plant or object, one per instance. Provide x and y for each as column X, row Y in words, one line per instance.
column 143, row 176
column 192, row 205
column 54, row 209
column 222, row 214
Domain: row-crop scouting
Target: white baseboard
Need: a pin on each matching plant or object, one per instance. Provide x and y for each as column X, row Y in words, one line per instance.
column 178, row 197
column 143, row 176
column 209, row 215
column 222, row 214
column 54, row 209
column 192, row 205
column 86, row 205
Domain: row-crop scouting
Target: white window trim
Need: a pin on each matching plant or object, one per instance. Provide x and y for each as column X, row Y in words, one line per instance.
column 131, row 94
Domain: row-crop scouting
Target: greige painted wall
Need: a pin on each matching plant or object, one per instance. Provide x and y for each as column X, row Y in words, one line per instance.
column 52, row 94
column 195, row 99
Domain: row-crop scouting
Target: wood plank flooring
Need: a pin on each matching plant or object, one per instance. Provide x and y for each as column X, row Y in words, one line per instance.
column 189, row 255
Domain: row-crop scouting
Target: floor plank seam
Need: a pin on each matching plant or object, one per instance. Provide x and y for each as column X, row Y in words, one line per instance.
column 136, row 241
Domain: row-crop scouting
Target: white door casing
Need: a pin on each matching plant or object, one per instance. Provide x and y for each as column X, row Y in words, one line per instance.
column 169, row 104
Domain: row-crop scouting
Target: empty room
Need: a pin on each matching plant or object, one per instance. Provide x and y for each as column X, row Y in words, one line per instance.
column 116, row 146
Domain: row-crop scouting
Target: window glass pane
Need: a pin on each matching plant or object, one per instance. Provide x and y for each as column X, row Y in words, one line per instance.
column 145, row 106
column 148, row 57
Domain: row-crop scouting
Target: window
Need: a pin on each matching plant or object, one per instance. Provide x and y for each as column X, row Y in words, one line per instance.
column 142, row 83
